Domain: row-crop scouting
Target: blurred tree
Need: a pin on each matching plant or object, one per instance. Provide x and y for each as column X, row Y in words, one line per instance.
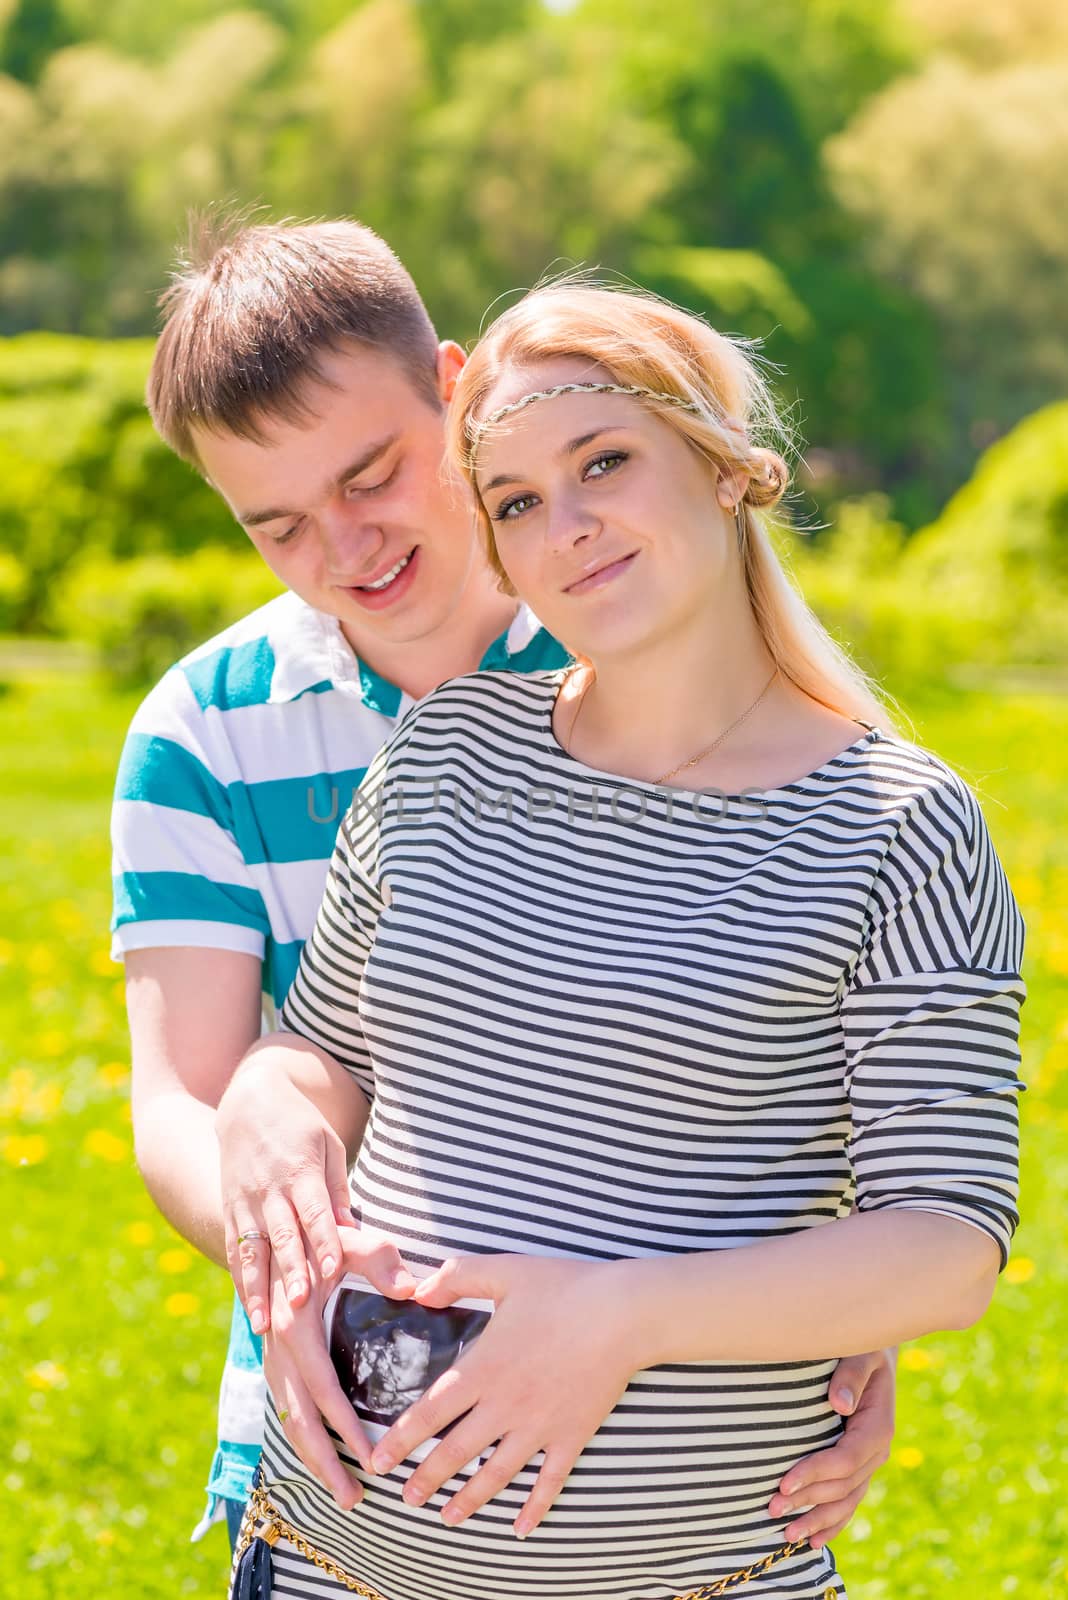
column 114, row 152
column 515, row 171
column 360, row 97
column 832, row 54
column 145, row 29
column 450, row 27
column 990, row 32
column 998, row 554
column 961, row 178
column 29, row 33
column 81, row 469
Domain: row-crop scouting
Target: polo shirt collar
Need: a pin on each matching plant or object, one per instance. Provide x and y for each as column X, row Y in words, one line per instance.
column 312, row 654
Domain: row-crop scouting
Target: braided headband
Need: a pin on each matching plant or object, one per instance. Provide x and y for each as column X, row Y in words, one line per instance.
column 475, row 429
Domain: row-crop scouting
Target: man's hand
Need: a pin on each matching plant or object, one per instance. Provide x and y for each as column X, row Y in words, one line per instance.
column 283, row 1161
column 834, row 1482
column 300, row 1374
column 571, row 1314
column 284, row 1174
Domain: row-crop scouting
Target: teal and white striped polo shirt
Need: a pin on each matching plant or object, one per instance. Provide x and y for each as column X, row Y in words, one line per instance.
column 236, row 772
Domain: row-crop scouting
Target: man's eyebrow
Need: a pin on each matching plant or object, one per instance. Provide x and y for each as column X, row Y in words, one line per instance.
column 568, row 450
column 373, row 453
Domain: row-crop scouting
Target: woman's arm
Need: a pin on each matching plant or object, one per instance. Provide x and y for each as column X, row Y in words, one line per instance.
column 874, row 1278
column 567, row 1336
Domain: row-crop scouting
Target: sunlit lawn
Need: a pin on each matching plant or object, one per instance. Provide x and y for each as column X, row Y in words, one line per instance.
column 112, row 1331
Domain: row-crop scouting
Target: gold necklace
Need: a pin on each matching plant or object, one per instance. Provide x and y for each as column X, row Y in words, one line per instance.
column 683, row 766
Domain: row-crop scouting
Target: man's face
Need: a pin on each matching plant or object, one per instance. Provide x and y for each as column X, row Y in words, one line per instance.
column 352, row 509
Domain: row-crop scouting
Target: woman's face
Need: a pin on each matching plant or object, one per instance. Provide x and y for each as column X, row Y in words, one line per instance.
column 608, row 523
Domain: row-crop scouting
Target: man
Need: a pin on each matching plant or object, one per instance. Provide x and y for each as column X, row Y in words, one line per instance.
column 299, row 371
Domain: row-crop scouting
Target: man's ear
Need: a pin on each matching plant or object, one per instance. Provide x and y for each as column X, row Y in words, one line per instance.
column 450, row 364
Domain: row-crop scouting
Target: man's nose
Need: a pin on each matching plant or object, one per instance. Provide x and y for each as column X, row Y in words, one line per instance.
column 350, row 540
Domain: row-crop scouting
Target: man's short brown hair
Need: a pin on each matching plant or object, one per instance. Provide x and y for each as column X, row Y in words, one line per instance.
column 250, row 312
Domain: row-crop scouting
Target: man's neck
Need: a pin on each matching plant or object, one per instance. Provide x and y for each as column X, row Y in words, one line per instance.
column 416, row 666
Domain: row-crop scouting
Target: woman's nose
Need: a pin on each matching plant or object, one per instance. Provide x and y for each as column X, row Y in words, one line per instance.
column 571, row 521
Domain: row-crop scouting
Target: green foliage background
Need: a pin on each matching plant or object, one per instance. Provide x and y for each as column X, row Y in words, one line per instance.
column 875, row 190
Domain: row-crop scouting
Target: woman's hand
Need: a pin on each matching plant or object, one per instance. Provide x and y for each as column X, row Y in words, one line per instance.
column 284, row 1174
column 543, row 1376
column 834, row 1482
column 300, row 1374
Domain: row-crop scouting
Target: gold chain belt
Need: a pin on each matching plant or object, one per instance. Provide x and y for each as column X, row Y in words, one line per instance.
column 262, row 1520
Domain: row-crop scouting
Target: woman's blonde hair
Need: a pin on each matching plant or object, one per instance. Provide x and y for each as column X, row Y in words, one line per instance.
column 640, row 340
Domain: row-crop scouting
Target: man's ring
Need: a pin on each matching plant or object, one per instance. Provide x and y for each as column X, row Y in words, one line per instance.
column 253, row 1233
column 282, row 1415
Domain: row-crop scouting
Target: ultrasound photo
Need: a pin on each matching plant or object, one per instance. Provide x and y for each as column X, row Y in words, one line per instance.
column 388, row 1352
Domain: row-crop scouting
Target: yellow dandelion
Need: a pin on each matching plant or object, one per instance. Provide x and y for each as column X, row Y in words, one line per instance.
column 25, row 1150
column 1020, row 1270
column 40, row 849
column 139, row 1233
column 52, row 1043
column 113, row 1074
column 182, row 1305
column 913, row 1359
column 19, row 1092
column 1056, row 1058
column 126, row 1111
column 3, row 1269
column 175, row 1261
column 909, row 1457
column 7, row 952
column 1056, row 954
column 101, row 964
column 67, row 915
column 41, row 960
column 47, row 1101
column 107, row 1145
column 46, row 1375
column 119, row 993
column 104, row 1536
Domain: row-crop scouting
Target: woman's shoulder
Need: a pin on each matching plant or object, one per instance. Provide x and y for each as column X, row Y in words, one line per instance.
column 477, row 707
column 485, row 694
column 934, row 805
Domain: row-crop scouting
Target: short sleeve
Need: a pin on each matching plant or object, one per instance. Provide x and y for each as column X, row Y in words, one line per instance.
column 323, row 1003
column 930, row 1018
column 178, row 873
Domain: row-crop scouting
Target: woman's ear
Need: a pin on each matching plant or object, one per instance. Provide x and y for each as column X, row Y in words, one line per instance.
column 731, row 487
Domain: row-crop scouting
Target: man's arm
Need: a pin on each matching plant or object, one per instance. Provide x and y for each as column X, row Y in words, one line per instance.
column 193, row 1015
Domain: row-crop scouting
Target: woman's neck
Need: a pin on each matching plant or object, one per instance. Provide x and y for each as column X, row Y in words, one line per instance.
column 646, row 711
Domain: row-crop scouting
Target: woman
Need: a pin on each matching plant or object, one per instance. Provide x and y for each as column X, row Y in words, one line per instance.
column 653, row 969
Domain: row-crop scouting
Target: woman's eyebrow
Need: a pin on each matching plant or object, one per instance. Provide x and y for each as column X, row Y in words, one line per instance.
column 566, row 450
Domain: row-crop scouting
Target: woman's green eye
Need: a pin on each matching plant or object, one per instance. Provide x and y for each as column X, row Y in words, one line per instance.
column 514, row 507
column 605, row 462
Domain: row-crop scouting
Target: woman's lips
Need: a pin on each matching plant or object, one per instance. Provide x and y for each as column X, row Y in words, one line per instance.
column 603, row 575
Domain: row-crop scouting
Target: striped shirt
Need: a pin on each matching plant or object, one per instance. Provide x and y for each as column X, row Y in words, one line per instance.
column 600, row 1019
column 235, row 774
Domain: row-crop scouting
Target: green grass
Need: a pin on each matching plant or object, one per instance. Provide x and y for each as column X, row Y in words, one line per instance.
column 112, row 1331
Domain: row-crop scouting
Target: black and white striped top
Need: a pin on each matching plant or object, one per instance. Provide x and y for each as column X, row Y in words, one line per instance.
column 598, row 1018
